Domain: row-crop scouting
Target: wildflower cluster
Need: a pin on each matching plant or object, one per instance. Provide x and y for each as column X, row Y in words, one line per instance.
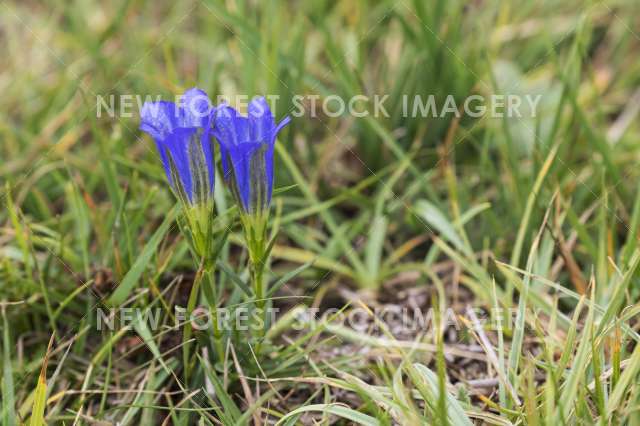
column 184, row 134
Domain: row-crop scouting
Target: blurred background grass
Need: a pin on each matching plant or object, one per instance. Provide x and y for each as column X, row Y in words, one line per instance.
column 375, row 202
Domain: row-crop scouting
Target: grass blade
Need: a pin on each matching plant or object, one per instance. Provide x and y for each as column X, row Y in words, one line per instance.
column 130, row 280
column 40, row 396
column 336, row 410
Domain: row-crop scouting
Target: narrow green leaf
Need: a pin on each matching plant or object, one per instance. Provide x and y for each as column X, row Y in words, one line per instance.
column 336, row 410
column 131, row 278
column 8, row 401
column 287, row 277
column 40, row 396
column 373, row 249
column 434, row 217
column 235, row 278
column 455, row 412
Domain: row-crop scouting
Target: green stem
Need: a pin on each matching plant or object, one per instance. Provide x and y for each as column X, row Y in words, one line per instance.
column 191, row 303
column 212, row 295
column 255, row 233
column 259, row 286
column 260, row 292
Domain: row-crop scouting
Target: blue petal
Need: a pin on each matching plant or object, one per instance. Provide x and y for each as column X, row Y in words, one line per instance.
column 279, row 127
column 158, row 119
column 195, row 108
column 269, row 156
column 231, row 129
column 177, row 146
column 262, row 121
column 205, row 140
column 174, row 127
column 224, row 153
column 246, row 145
column 240, row 156
column 268, row 162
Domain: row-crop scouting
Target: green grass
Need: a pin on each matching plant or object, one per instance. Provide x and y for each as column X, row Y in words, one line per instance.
column 537, row 215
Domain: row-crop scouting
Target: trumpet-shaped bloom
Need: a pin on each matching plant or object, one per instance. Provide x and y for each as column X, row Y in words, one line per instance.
column 246, row 146
column 182, row 134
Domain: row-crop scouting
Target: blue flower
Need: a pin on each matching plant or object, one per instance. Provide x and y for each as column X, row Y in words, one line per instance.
column 183, row 137
column 246, row 147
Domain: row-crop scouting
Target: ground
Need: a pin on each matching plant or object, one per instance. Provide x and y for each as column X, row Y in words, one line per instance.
column 457, row 245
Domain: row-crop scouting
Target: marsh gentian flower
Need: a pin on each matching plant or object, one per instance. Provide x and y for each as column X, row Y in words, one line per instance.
column 182, row 133
column 183, row 137
column 246, row 146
